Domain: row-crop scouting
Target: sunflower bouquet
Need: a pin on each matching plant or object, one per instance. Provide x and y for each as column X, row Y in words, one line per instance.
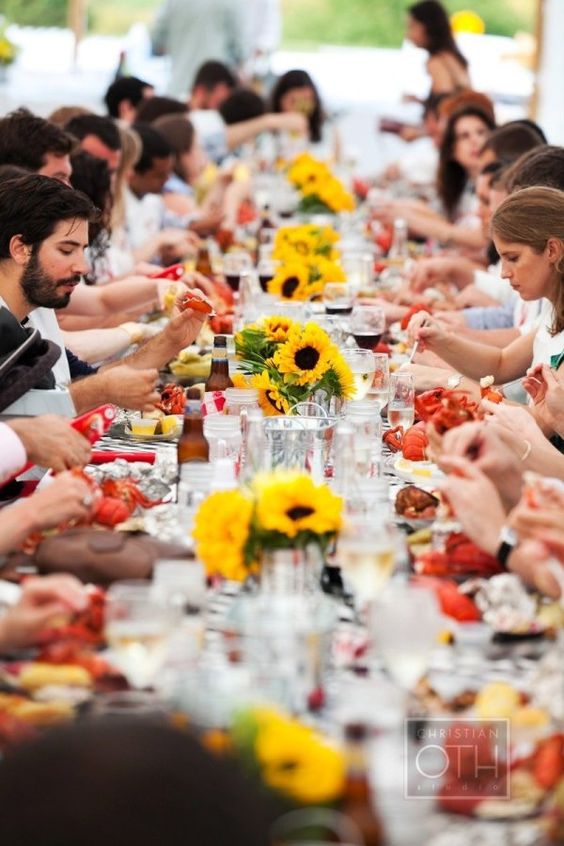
column 307, row 261
column 290, row 758
column 283, row 509
column 321, row 191
column 288, row 362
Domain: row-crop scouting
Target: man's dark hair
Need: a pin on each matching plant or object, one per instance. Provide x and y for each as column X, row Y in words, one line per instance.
column 212, row 73
column 25, row 139
column 242, row 104
column 511, row 140
column 154, row 146
column 103, row 128
column 91, row 176
column 540, row 166
column 32, row 206
column 125, row 88
column 145, row 783
column 155, row 107
column 432, row 102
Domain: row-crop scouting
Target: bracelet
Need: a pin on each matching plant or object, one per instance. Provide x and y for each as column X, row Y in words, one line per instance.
column 528, row 448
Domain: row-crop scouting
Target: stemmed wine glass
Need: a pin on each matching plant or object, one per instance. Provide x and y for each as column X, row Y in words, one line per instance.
column 405, row 623
column 234, row 266
column 361, row 362
column 367, row 325
column 338, row 298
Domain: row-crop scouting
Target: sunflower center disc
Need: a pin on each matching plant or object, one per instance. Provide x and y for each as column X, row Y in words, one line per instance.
column 290, row 285
column 299, row 512
column 306, row 358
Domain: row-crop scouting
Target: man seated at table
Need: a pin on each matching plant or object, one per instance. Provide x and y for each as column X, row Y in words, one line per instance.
column 125, row 95
column 43, row 238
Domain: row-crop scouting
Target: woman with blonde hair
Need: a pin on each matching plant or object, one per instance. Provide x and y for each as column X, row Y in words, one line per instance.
column 528, row 233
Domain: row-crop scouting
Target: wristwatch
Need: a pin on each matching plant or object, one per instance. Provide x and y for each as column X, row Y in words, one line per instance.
column 508, row 540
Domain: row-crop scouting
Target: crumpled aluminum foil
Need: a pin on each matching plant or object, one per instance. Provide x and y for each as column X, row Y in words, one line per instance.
column 153, row 480
column 505, row 604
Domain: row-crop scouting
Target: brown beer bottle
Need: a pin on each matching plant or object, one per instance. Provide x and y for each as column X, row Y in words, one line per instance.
column 265, row 227
column 203, row 261
column 219, row 380
column 357, row 801
column 192, row 445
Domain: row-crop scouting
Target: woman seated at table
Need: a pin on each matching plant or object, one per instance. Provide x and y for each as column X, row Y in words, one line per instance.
column 528, row 232
column 459, row 165
column 295, row 91
column 221, row 202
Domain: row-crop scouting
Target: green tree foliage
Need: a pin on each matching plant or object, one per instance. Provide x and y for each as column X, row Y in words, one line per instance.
column 35, row 12
column 380, row 23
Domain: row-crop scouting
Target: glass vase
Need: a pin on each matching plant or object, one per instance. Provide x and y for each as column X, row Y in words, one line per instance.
column 291, row 572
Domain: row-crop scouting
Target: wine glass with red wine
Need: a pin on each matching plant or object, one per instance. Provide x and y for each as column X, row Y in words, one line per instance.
column 235, row 264
column 367, row 325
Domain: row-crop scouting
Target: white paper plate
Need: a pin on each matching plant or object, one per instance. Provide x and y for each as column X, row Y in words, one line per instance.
column 425, row 474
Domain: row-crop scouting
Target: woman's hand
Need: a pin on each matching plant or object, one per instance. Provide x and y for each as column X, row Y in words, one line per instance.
column 428, row 332
column 475, row 501
column 516, row 419
column 540, row 563
column 43, row 599
column 487, row 447
column 546, row 388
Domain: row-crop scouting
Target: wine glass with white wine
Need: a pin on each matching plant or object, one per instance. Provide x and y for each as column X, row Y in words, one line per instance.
column 405, row 624
column 366, row 554
column 137, row 629
column 361, row 363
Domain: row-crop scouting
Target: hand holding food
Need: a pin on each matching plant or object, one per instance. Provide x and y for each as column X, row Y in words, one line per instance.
column 43, row 599
column 50, row 441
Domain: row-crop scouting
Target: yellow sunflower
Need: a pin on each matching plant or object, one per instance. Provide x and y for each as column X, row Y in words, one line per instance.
column 327, row 271
column 306, row 355
column 298, row 762
column 276, row 328
column 272, row 402
column 290, row 282
column 221, row 530
column 290, row 502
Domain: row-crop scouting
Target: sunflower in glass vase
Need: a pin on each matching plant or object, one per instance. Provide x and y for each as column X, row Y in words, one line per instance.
column 283, row 509
column 289, row 362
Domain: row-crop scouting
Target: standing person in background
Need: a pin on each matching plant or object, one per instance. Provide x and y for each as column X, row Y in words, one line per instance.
column 190, row 31
column 428, row 27
column 264, row 29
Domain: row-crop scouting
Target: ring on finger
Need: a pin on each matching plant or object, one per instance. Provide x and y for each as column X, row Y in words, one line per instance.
column 87, row 500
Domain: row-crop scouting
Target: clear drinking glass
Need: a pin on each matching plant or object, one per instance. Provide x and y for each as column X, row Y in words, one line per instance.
column 401, row 408
column 137, row 628
column 367, row 325
column 361, row 363
column 223, row 434
column 380, row 388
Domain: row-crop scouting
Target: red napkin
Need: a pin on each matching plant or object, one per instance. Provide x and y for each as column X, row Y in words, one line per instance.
column 103, row 456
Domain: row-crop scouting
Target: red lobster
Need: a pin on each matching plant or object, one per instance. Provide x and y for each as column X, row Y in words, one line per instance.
column 115, row 500
column 173, row 399
column 445, row 409
column 461, row 557
column 412, row 444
